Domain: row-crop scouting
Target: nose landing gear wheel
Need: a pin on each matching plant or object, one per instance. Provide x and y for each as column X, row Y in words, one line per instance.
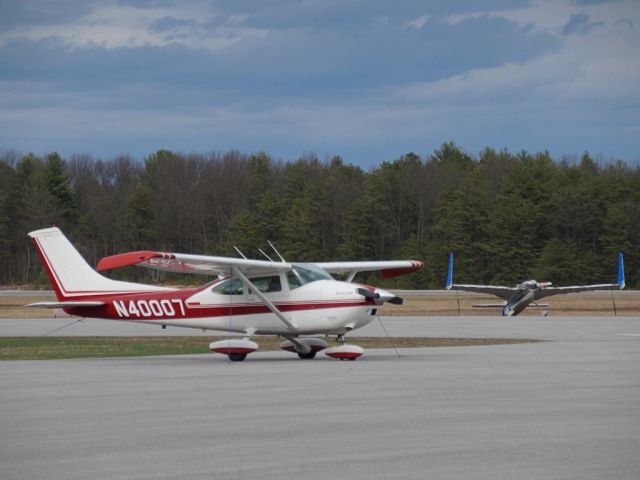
column 298, row 345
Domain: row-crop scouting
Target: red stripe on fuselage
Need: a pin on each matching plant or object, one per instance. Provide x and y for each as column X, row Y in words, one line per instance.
column 201, row 311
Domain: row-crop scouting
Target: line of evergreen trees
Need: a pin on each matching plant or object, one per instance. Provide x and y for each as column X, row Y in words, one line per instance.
column 507, row 216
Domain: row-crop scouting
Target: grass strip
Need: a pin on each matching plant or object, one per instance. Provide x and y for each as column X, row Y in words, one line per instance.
column 46, row 348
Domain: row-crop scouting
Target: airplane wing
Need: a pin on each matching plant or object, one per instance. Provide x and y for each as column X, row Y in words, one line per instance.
column 211, row 265
column 503, row 292
column 197, row 264
column 548, row 291
column 387, row 268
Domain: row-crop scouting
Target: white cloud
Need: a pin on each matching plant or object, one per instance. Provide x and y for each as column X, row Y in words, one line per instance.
column 548, row 15
column 419, row 22
column 123, row 26
column 553, row 15
column 600, row 64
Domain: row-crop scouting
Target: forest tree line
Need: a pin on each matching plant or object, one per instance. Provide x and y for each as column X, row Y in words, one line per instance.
column 508, row 217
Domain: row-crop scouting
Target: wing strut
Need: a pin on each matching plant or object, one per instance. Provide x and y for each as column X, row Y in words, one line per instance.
column 265, row 300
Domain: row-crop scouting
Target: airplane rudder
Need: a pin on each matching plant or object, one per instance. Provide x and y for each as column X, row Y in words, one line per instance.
column 69, row 273
column 36, row 238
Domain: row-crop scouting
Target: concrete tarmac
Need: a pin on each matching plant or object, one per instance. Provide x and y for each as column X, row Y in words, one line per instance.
column 545, row 328
column 568, row 408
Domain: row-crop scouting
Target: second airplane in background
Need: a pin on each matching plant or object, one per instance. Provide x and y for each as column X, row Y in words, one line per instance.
column 521, row 296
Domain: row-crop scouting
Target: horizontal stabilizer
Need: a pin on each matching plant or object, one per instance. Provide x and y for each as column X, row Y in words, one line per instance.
column 66, row 304
column 488, row 305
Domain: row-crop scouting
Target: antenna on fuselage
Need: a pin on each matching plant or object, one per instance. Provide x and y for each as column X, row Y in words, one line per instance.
column 277, row 252
column 238, row 250
column 268, row 257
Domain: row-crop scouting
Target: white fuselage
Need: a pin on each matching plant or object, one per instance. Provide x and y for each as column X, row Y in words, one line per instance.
column 320, row 307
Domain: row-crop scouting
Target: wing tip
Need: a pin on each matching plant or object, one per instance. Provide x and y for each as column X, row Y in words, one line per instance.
column 621, row 280
column 130, row 258
column 396, row 272
column 449, row 280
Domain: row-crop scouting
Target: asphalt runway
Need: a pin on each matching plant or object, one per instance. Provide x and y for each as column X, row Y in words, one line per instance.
column 568, row 408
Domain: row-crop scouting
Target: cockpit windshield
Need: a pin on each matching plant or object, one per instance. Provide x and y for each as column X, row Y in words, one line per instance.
column 300, row 274
column 308, row 272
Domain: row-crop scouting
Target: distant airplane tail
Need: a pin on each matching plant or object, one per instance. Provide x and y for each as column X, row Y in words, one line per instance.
column 450, row 272
column 621, row 281
column 71, row 276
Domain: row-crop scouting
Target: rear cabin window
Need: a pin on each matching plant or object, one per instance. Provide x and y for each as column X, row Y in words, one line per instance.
column 267, row 284
column 229, row 287
column 236, row 287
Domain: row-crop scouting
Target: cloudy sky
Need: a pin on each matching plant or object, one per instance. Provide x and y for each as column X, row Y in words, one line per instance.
column 368, row 80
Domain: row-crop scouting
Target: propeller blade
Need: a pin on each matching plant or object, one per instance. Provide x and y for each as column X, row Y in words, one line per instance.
column 367, row 293
column 378, row 297
column 397, row 300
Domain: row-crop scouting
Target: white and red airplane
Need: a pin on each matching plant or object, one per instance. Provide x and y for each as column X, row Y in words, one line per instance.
column 249, row 297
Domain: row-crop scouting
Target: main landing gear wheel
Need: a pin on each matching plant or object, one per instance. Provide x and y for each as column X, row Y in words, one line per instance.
column 295, row 345
column 237, row 357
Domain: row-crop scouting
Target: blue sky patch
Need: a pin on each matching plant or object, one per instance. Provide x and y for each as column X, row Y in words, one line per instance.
column 367, row 80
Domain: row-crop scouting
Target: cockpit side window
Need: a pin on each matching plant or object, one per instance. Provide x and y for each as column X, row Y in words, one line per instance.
column 267, row 284
column 293, row 280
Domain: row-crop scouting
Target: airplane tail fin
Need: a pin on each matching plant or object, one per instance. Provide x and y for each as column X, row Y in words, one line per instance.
column 450, row 272
column 70, row 275
column 621, row 281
